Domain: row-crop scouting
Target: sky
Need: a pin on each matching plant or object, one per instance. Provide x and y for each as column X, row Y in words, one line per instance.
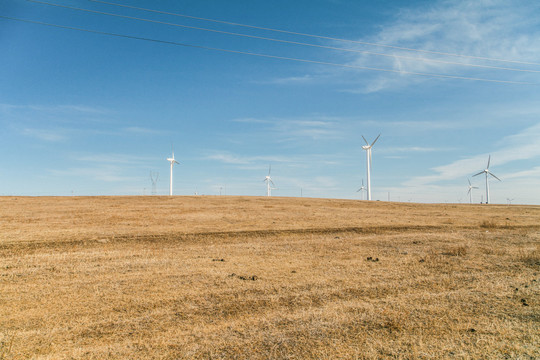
column 94, row 96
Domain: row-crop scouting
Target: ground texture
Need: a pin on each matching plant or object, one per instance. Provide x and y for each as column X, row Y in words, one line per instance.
column 266, row 278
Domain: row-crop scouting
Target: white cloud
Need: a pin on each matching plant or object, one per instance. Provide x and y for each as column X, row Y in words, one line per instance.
column 114, row 159
column 54, row 108
column 415, row 149
column 45, row 134
column 106, row 173
column 481, row 29
column 293, row 80
column 522, row 146
column 289, row 129
column 143, row 131
column 228, row 158
column 532, row 173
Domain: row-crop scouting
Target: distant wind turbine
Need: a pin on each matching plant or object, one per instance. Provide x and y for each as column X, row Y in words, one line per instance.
column 172, row 161
column 362, row 189
column 269, row 181
column 368, row 147
column 470, row 190
column 487, row 172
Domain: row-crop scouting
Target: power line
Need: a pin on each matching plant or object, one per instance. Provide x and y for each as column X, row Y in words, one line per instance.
column 317, row 36
column 283, row 41
column 269, row 56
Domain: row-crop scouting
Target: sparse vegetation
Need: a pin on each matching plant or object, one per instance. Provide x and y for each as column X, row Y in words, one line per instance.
column 220, row 278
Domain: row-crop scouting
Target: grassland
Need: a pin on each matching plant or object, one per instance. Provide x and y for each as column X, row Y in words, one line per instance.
column 266, row 278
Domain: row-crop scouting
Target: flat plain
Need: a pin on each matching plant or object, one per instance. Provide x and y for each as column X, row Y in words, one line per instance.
column 267, row 278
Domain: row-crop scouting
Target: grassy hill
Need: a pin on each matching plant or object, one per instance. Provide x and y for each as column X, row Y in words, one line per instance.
column 258, row 278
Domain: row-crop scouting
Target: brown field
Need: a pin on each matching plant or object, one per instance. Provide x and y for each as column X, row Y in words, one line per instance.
column 266, row 278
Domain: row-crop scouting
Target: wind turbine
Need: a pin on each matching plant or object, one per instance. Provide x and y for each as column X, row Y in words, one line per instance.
column 268, row 180
column 362, row 189
column 470, row 190
column 368, row 147
column 172, row 161
column 487, row 172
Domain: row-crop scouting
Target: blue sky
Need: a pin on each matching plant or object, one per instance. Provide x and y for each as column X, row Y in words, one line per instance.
column 92, row 114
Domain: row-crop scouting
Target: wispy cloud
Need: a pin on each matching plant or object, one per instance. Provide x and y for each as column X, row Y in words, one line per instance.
column 287, row 129
column 413, row 149
column 45, row 134
column 532, row 173
column 481, row 29
column 61, row 109
column 293, row 80
column 106, row 173
column 251, row 121
column 142, row 131
column 521, row 146
column 114, row 158
column 261, row 161
column 228, row 158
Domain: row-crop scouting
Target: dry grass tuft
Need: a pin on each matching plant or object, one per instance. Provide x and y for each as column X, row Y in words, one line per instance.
column 489, row 224
column 456, row 251
column 6, row 344
column 530, row 257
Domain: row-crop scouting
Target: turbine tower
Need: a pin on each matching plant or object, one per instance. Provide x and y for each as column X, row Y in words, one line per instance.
column 487, row 172
column 368, row 147
column 172, row 161
column 268, row 180
column 362, row 189
column 470, row 190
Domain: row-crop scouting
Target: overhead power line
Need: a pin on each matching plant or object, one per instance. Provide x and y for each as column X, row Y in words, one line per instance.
column 283, row 41
column 268, row 55
column 317, row 36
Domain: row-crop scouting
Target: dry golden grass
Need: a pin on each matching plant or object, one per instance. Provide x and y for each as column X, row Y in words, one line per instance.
column 266, row 278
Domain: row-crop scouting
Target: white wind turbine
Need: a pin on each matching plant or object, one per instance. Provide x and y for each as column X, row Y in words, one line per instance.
column 172, row 161
column 470, row 190
column 487, row 172
column 368, row 147
column 362, row 189
column 268, row 180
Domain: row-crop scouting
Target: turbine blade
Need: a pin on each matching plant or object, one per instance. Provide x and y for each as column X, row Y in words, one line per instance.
column 365, row 140
column 376, row 140
column 469, row 182
column 481, row 172
column 269, row 169
column 468, row 192
column 494, row 176
column 272, row 183
column 489, row 158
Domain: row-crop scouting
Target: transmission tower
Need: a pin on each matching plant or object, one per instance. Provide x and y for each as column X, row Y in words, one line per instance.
column 154, row 178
